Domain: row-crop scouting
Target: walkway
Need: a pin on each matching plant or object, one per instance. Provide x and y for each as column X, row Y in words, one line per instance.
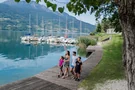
column 48, row 80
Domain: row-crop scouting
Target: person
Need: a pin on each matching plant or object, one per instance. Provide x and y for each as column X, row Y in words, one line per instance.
column 78, row 69
column 61, row 61
column 74, row 59
column 66, row 64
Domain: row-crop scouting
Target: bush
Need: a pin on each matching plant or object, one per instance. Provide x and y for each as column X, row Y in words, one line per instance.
column 87, row 41
column 92, row 33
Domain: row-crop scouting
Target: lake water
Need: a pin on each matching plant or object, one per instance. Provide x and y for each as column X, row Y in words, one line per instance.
column 19, row 61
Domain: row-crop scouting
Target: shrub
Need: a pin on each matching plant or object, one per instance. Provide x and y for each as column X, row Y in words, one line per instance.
column 87, row 41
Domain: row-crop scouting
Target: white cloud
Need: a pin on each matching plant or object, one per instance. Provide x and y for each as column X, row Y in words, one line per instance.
column 2, row 1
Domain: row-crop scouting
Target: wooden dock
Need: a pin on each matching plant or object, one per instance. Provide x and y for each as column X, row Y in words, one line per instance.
column 48, row 79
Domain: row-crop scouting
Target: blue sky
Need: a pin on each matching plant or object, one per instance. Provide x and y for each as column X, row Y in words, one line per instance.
column 84, row 17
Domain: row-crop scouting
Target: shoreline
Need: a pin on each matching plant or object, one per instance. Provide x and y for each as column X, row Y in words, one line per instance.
column 50, row 75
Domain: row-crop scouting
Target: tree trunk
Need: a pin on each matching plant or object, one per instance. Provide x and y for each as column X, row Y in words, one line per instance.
column 127, row 20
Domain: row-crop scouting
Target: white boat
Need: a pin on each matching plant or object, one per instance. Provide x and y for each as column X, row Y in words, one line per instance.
column 51, row 39
column 60, row 39
column 34, row 38
column 42, row 39
column 26, row 37
column 71, row 41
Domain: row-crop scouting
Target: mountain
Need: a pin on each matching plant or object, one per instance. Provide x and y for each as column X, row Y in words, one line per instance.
column 24, row 16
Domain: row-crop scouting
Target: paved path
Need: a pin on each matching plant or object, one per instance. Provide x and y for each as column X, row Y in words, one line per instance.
column 48, row 80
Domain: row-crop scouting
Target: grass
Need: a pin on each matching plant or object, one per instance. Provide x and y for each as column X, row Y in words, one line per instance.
column 102, row 36
column 110, row 67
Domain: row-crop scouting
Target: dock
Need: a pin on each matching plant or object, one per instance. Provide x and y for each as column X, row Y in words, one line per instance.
column 48, row 79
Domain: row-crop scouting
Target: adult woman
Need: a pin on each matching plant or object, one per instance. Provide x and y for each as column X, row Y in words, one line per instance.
column 66, row 64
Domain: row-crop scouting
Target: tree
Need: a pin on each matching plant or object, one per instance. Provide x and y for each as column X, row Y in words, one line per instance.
column 98, row 28
column 107, row 8
column 106, row 24
column 115, row 22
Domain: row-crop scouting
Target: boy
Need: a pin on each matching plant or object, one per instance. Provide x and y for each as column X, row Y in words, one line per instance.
column 74, row 57
column 78, row 68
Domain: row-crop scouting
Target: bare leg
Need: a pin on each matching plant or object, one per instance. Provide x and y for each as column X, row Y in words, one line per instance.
column 75, row 75
column 65, row 72
column 61, row 70
column 78, row 76
column 72, row 71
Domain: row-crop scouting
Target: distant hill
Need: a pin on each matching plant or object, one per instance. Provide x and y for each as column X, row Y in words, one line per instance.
column 16, row 16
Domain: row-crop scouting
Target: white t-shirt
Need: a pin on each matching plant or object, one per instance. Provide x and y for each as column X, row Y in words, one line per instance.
column 73, row 60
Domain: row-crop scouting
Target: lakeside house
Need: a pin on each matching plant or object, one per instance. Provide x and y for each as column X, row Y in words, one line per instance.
column 110, row 31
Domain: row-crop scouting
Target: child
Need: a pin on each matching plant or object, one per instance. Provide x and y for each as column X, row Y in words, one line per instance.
column 61, row 61
column 78, row 69
column 74, row 59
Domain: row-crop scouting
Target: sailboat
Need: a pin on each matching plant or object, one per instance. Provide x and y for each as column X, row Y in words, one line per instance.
column 72, row 40
column 43, row 37
column 34, row 37
column 28, row 36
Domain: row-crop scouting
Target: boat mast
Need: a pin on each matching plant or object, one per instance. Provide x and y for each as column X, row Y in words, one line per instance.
column 51, row 29
column 73, row 28
column 29, row 23
column 80, row 27
column 37, row 23
column 59, row 23
column 66, row 28
column 42, row 25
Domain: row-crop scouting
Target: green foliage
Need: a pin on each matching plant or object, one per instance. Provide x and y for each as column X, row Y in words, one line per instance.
column 83, row 43
column 82, row 51
column 115, row 22
column 17, row 0
column 38, row 1
column 86, row 40
column 28, row 1
column 92, row 33
column 105, row 24
column 61, row 9
column 54, row 7
column 98, row 28
column 49, row 4
column 110, row 66
column 45, row 1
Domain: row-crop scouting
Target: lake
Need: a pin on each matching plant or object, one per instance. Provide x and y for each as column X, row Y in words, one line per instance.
column 19, row 60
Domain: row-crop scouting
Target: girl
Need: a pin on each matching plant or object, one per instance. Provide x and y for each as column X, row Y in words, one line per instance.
column 61, row 61
column 78, row 69
column 66, row 64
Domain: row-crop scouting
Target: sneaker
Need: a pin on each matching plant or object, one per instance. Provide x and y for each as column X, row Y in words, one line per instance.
column 62, row 74
column 58, row 76
column 78, row 79
column 63, row 77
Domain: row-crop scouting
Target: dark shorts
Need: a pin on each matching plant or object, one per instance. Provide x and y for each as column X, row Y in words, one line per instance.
column 61, row 67
column 77, row 71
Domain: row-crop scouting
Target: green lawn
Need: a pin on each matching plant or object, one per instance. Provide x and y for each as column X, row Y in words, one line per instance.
column 110, row 67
